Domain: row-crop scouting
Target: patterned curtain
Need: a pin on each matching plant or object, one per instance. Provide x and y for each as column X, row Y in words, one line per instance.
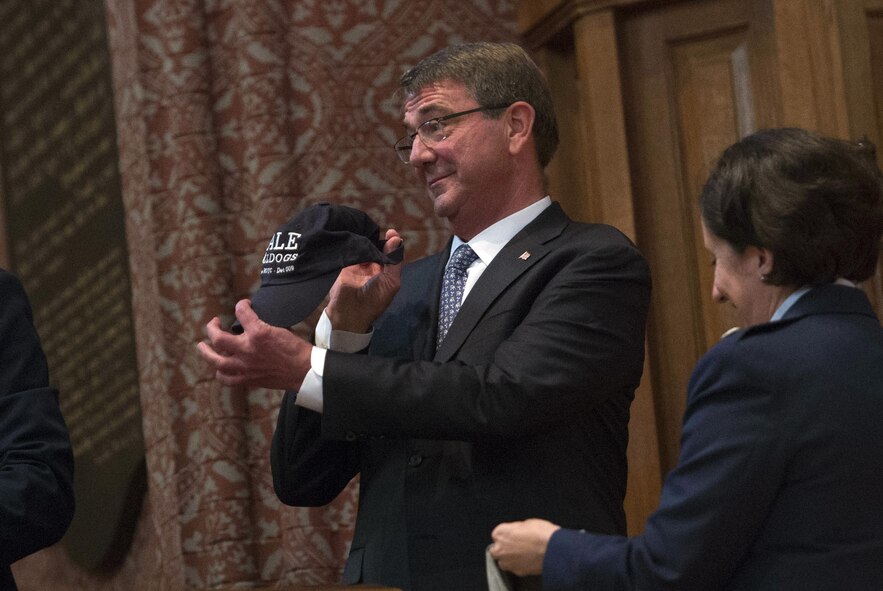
column 231, row 116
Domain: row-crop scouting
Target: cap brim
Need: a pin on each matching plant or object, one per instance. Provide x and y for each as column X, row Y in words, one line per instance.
column 286, row 305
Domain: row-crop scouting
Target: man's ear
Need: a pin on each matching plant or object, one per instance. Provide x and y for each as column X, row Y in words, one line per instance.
column 519, row 118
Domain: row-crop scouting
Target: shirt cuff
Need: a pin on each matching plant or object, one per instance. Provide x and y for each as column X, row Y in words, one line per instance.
column 311, row 395
column 340, row 340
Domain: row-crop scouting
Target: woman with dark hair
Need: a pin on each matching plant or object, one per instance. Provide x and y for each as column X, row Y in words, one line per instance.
column 779, row 484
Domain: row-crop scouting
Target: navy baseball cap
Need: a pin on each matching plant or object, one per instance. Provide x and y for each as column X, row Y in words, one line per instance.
column 305, row 256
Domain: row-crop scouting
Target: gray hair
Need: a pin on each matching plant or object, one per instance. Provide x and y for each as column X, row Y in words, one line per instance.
column 493, row 74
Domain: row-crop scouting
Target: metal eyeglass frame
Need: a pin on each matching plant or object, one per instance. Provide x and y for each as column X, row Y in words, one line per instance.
column 430, row 129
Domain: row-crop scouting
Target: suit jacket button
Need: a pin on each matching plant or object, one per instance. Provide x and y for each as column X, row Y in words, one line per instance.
column 415, row 460
column 350, row 436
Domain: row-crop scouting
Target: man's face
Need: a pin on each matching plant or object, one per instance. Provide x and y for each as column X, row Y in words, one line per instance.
column 464, row 172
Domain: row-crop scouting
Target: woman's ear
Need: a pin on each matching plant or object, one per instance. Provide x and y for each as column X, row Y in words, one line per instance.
column 764, row 261
column 519, row 118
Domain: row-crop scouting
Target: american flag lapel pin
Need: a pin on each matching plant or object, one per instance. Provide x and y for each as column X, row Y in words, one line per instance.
column 524, row 255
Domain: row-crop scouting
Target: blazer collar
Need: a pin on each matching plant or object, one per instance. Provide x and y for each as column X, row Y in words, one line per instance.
column 525, row 249
column 831, row 298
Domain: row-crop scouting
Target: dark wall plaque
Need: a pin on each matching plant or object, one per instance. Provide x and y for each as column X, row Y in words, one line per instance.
column 66, row 241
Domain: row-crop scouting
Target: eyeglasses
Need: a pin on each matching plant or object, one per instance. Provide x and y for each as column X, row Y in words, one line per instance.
column 432, row 131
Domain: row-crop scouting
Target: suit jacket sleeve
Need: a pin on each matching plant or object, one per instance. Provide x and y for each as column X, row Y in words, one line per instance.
column 308, row 471
column 704, row 523
column 36, row 460
column 564, row 337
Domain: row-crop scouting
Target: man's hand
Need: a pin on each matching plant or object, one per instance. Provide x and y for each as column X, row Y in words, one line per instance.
column 362, row 292
column 520, row 546
column 306, row 328
column 263, row 356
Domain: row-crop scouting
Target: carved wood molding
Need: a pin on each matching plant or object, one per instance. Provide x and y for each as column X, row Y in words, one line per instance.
column 540, row 20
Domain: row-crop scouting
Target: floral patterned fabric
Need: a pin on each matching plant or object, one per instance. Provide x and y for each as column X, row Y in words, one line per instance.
column 231, row 116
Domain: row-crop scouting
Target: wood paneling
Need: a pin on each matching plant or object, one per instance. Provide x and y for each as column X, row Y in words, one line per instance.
column 590, row 177
column 871, row 16
column 649, row 92
column 565, row 174
column 607, row 178
column 605, row 147
column 861, row 22
column 695, row 76
column 810, row 65
column 874, row 21
column 712, row 85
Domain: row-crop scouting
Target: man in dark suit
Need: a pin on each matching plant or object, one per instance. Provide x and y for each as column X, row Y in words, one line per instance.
column 520, row 404
column 36, row 461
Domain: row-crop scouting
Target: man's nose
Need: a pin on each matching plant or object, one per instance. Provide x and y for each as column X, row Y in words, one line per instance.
column 420, row 153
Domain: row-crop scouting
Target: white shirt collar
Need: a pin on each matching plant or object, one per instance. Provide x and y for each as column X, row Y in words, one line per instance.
column 489, row 242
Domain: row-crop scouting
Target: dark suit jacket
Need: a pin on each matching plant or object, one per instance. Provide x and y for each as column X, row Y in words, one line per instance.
column 36, row 461
column 522, row 411
column 780, row 481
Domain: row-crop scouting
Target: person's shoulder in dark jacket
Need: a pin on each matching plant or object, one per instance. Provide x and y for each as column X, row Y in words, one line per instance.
column 36, row 458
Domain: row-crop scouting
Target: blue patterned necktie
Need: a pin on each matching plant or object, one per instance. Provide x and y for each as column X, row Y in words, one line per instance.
column 452, row 289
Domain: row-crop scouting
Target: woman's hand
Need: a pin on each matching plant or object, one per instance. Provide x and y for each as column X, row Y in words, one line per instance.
column 520, row 546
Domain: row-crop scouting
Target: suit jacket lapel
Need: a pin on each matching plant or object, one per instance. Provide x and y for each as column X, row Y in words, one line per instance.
column 522, row 252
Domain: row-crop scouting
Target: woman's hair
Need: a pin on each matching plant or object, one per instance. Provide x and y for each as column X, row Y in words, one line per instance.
column 815, row 202
column 494, row 74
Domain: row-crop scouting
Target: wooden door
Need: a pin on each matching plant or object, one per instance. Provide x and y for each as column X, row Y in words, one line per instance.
column 858, row 37
column 649, row 92
column 696, row 77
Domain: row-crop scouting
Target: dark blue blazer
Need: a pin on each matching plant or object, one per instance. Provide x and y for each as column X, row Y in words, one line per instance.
column 36, row 461
column 779, row 485
column 522, row 411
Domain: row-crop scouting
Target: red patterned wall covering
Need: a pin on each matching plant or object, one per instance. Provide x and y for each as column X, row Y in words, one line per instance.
column 232, row 115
